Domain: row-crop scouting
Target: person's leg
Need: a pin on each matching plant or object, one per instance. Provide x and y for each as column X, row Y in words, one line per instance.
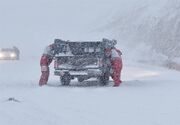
column 44, row 62
column 44, row 78
column 117, row 67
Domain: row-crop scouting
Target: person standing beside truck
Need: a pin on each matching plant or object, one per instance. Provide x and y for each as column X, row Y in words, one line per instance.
column 114, row 55
column 116, row 63
column 46, row 60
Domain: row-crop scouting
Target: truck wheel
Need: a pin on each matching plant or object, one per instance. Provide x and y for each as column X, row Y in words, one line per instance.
column 65, row 79
column 80, row 79
column 104, row 79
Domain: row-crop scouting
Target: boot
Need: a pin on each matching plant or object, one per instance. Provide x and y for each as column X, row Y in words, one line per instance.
column 44, row 78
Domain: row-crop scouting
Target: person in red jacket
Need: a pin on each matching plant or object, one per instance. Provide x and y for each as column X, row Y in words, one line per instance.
column 116, row 63
column 46, row 60
column 114, row 55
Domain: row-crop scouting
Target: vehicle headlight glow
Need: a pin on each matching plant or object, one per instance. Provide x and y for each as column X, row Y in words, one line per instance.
column 1, row 55
column 12, row 55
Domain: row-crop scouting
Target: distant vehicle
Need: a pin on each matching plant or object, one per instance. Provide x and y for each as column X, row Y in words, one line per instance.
column 82, row 60
column 9, row 53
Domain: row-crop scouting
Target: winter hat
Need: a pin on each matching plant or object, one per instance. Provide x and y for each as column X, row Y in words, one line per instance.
column 109, row 43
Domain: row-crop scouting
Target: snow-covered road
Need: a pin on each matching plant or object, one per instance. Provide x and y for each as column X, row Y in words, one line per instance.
column 148, row 96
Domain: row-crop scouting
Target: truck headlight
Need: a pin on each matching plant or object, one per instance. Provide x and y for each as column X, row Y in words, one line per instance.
column 12, row 55
column 1, row 55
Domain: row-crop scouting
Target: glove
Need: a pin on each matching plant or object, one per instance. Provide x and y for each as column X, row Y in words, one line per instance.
column 44, row 68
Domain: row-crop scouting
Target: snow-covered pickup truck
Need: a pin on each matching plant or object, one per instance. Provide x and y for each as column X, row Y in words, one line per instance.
column 9, row 53
column 82, row 60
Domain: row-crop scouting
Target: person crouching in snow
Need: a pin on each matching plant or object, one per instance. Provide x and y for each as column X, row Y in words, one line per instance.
column 114, row 55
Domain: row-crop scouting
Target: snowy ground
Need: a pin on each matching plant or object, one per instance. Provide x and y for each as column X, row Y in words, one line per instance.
column 148, row 96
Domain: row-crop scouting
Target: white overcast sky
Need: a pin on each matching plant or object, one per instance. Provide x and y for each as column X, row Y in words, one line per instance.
column 35, row 23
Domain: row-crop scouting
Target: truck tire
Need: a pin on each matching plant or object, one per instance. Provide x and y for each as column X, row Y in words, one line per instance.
column 65, row 79
column 104, row 79
column 80, row 79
